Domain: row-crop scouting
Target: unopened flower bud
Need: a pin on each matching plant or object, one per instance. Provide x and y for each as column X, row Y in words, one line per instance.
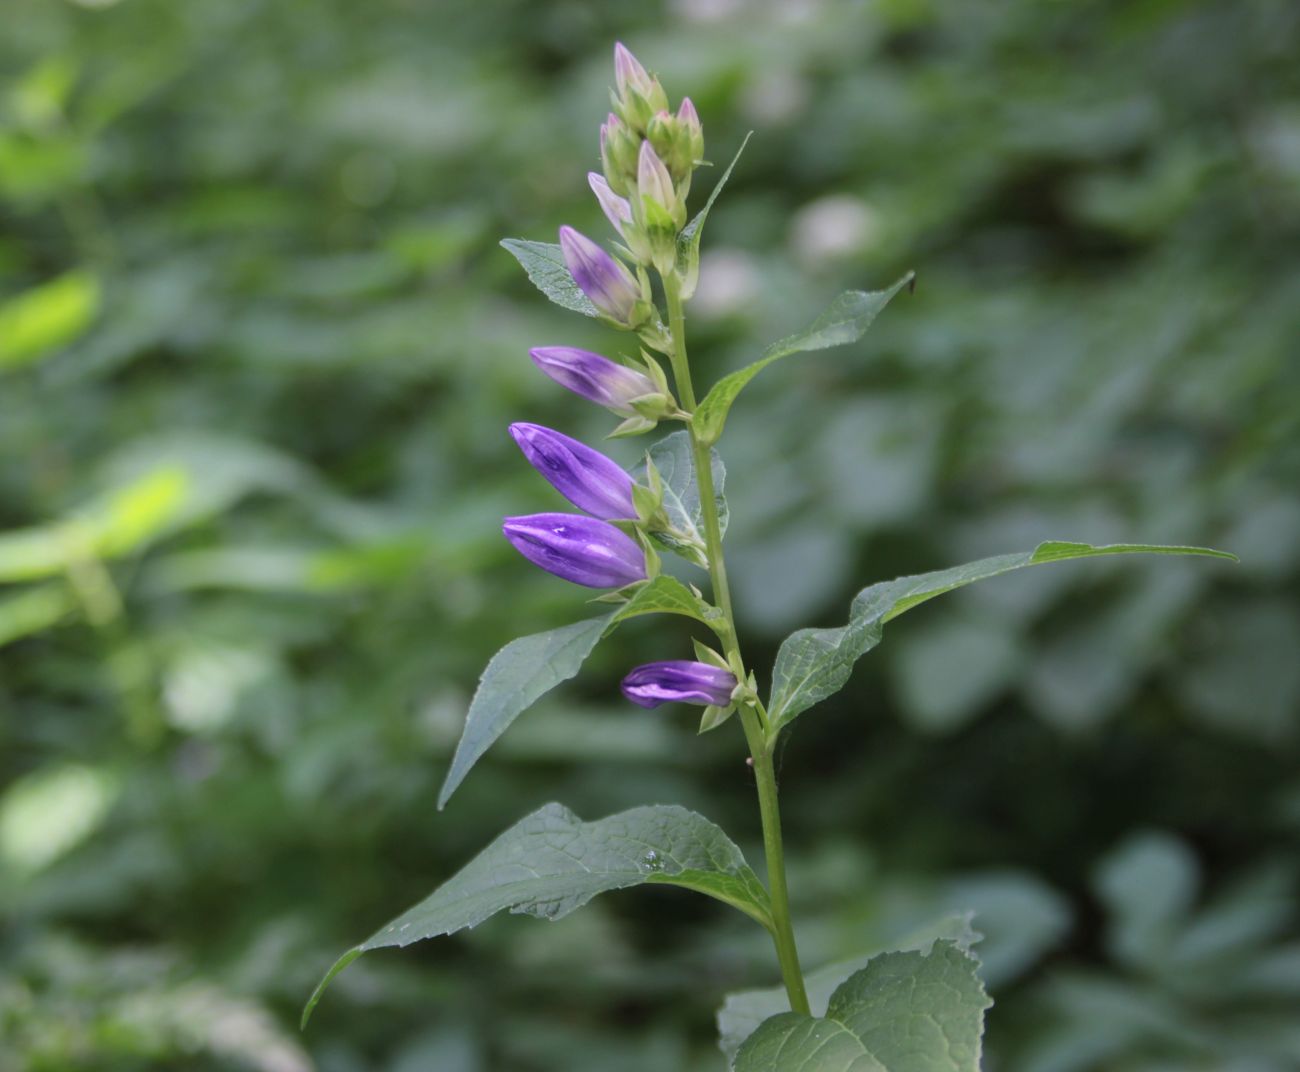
column 653, row 180
column 618, row 210
column 613, row 290
column 618, row 149
column 580, row 549
column 594, row 377
column 688, row 120
column 587, row 478
column 679, row 680
column 637, row 94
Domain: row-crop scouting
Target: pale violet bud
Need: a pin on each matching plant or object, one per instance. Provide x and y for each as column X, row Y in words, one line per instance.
column 618, row 210
column 653, row 180
column 637, row 94
column 689, row 121
column 659, row 213
column 618, row 149
column 595, row 378
column 611, row 287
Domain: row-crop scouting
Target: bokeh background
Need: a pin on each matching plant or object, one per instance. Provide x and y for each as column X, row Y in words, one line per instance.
column 258, row 348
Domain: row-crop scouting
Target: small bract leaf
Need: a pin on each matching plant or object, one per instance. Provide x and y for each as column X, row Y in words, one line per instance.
column 903, row 1011
column 544, row 263
column 816, row 663
column 688, row 242
column 667, row 595
column 551, row 863
column 846, row 320
column 515, row 678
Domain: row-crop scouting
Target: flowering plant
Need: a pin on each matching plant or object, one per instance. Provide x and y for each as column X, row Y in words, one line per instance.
column 917, row 1008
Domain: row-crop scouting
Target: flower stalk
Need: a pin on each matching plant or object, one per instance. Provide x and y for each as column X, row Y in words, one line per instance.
column 753, row 719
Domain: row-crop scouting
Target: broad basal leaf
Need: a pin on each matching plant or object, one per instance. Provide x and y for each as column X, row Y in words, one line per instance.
column 743, row 1012
column 544, row 263
column 845, row 321
column 552, row 862
column 816, row 663
column 903, row 1012
column 672, row 457
column 517, row 675
column 688, row 242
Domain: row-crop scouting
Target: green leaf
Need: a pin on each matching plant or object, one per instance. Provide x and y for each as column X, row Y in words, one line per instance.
column 688, row 242
column 666, row 595
column 743, row 1012
column 816, row 663
column 41, row 320
column 672, row 457
column 544, row 263
column 34, row 610
column 845, row 321
column 551, row 863
column 903, row 1012
column 517, row 675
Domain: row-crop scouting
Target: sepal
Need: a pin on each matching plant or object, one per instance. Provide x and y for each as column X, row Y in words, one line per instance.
column 714, row 717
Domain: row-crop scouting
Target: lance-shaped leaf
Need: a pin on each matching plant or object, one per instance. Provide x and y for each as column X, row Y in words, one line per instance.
column 903, row 1011
column 552, row 862
column 672, row 457
column 845, row 321
column 743, row 1012
column 688, row 242
column 516, row 677
column 816, row 663
column 667, row 595
column 544, row 263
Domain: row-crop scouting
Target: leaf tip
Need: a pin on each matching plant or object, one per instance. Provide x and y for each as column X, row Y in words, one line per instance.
column 343, row 961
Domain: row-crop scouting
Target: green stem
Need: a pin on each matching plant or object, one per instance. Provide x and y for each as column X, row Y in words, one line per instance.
column 751, row 718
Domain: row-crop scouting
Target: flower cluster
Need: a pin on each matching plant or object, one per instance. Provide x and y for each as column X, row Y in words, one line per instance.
column 648, row 155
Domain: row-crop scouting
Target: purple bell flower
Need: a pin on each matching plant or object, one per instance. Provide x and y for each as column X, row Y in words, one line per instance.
column 588, row 479
column 679, row 680
column 579, row 549
column 610, row 286
column 595, row 378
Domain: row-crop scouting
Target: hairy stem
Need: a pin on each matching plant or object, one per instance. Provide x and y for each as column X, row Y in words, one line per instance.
column 751, row 718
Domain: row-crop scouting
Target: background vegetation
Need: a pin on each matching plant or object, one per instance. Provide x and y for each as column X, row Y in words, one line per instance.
column 258, row 348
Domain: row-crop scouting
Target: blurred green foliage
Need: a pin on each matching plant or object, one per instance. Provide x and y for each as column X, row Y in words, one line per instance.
column 258, row 348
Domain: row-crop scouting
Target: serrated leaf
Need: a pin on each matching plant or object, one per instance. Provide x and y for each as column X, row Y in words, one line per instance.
column 666, row 595
column 517, row 675
column 903, row 1012
column 743, row 1012
column 551, row 863
column 673, row 459
column 846, row 320
column 544, row 263
column 688, row 242
column 813, row 664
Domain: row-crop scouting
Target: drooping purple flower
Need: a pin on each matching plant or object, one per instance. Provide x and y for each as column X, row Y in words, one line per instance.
column 580, row 549
column 610, row 286
column 595, row 378
column 587, row 478
column 681, row 681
